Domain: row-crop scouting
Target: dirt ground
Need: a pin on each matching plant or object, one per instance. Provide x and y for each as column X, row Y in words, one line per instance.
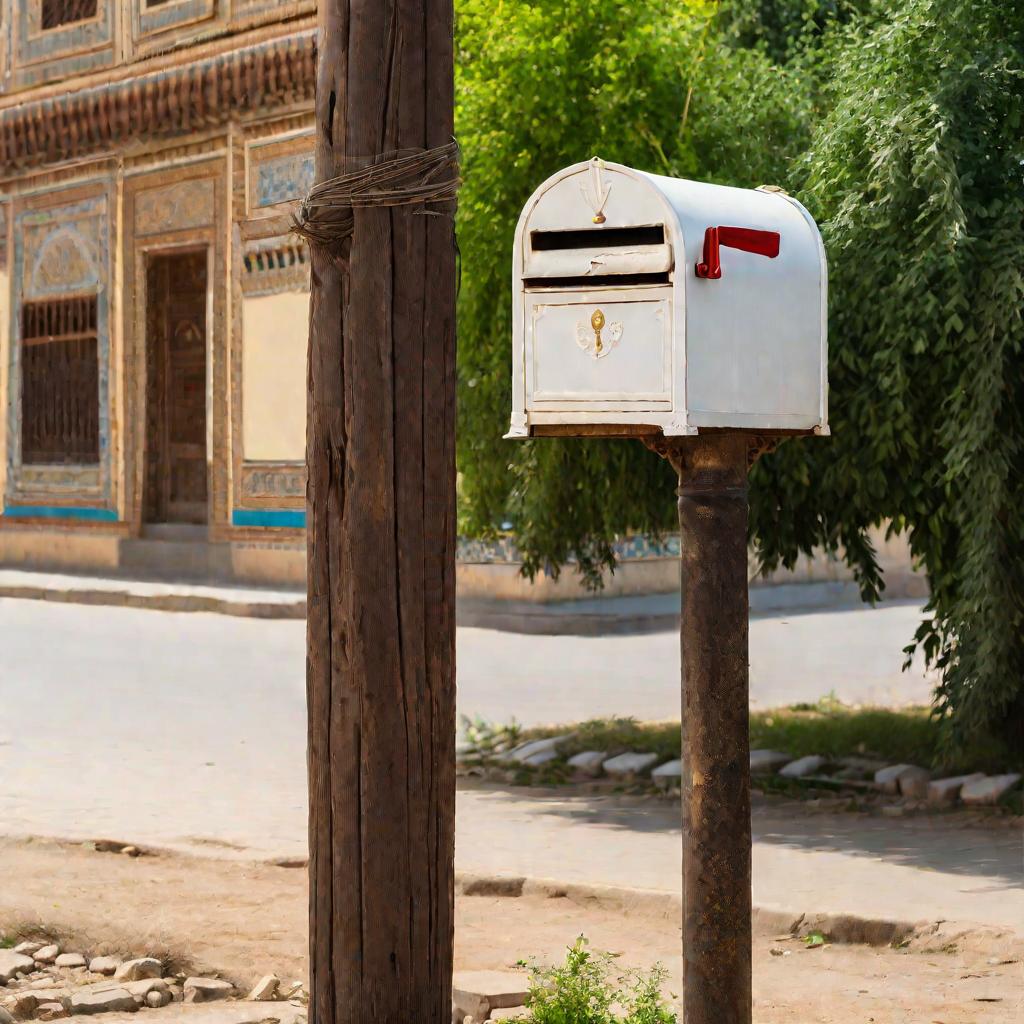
column 246, row 919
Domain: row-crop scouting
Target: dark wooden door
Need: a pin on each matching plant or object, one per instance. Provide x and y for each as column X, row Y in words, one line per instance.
column 176, row 469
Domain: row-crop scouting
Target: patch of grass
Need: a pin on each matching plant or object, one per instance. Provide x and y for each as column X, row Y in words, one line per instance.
column 616, row 736
column 7, row 943
column 828, row 727
column 910, row 735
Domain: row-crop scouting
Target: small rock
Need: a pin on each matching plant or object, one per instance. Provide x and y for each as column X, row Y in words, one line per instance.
column 131, row 851
column 989, row 788
column 668, row 774
column 802, row 766
column 588, row 762
column 5, row 1016
column 40, row 980
column 628, row 764
column 888, row 779
column 206, row 990
column 539, row 758
column 47, row 954
column 768, row 760
column 108, row 846
column 51, row 1011
column 176, row 992
column 12, row 964
column 527, row 750
column 22, row 1005
column 477, row 993
column 106, row 1000
column 945, row 791
column 913, row 783
column 156, row 999
column 104, row 964
column 141, row 989
column 138, row 970
column 70, row 960
column 29, row 948
column 857, row 768
column 266, row 989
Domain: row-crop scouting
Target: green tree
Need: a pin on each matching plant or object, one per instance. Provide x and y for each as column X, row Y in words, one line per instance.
column 916, row 177
column 544, row 83
column 901, row 130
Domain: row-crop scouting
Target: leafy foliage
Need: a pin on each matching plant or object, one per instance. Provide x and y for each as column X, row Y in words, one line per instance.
column 916, row 175
column 584, row 990
column 900, row 127
column 539, row 85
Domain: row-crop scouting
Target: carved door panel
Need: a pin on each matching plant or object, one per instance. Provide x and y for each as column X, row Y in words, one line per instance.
column 176, row 465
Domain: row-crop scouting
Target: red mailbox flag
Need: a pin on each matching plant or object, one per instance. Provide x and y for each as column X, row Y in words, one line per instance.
column 763, row 243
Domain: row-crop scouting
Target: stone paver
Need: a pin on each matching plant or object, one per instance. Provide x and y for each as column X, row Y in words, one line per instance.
column 988, row 790
column 802, row 767
column 945, row 791
column 628, row 764
column 206, row 990
column 105, row 1001
column 768, row 760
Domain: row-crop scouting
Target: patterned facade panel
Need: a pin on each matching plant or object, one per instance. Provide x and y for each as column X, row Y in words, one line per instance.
column 153, row 17
column 278, row 172
column 275, row 265
column 282, row 179
column 63, row 254
column 245, row 12
column 57, row 38
column 273, row 484
column 178, row 207
column 61, row 247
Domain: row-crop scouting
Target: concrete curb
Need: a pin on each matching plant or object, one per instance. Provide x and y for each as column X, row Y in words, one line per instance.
column 838, row 928
column 167, row 602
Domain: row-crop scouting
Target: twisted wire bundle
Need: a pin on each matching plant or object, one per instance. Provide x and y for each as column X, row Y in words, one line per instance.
column 409, row 177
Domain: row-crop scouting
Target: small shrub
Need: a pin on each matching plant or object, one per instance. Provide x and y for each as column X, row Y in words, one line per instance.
column 587, row 990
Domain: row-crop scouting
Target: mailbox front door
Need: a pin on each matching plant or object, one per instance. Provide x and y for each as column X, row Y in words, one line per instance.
column 607, row 346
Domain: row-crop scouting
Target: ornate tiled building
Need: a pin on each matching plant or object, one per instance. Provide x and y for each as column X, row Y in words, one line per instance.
column 153, row 304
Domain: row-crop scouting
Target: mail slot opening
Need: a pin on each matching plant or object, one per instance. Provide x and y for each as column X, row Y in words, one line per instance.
column 606, row 238
column 618, row 280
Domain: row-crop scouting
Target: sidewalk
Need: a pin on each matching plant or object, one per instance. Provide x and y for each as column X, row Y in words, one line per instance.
column 249, row 602
column 597, row 616
column 903, row 870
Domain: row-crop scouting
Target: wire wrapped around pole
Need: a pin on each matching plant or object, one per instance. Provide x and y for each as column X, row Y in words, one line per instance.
column 410, row 177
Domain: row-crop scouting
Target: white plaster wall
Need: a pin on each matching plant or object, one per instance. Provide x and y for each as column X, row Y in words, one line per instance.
column 274, row 333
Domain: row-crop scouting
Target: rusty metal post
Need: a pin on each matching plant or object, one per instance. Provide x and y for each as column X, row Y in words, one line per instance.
column 712, row 492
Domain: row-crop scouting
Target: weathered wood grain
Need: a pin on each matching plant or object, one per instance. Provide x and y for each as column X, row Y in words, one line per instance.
column 381, row 538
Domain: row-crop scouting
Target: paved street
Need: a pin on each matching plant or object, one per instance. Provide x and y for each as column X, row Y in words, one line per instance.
column 167, row 725
column 188, row 730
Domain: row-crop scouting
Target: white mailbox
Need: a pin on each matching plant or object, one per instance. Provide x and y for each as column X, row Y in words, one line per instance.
column 641, row 301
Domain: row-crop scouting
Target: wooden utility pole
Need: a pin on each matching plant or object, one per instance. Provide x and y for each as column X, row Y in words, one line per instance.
column 381, row 525
column 714, row 630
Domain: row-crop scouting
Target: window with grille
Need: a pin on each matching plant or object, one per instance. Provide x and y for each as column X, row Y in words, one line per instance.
column 60, row 384
column 66, row 12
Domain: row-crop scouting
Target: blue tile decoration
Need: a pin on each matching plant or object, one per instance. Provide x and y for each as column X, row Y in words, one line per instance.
column 92, row 515
column 282, row 179
column 291, row 518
